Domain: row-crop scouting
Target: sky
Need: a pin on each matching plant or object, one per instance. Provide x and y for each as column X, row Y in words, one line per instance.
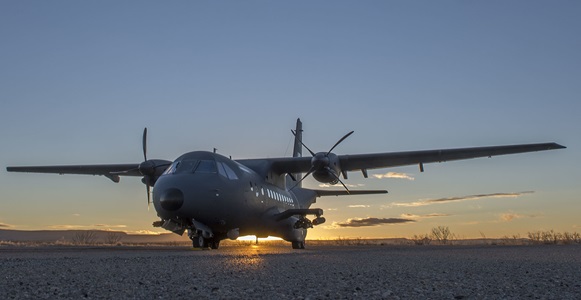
column 80, row 80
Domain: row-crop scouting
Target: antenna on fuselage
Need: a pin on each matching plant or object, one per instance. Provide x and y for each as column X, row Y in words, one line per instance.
column 215, row 150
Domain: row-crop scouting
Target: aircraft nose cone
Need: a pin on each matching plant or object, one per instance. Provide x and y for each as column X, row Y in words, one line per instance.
column 171, row 199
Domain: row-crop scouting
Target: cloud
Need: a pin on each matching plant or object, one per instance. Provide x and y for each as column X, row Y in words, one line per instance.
column 507, row 217
column 358, row 206
column 110, row 226
column 432, row 215
column 76, row 215
column 331, row 209
column 394, row 175
column 142, row 232
column 95, row 226
column 510, row 216
column 463, row 198
column 4, row 225
column 367, row 222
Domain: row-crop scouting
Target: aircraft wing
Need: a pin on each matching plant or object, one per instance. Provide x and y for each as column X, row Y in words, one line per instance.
column 110, row 171
column 396, row 159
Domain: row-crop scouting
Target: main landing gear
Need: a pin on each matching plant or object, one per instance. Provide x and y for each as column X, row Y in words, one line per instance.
column 298, row 245
column 305, row 223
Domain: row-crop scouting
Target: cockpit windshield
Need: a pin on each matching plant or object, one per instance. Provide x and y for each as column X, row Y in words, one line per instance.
column 186, row 166
column 191, row 166
column 206, row 166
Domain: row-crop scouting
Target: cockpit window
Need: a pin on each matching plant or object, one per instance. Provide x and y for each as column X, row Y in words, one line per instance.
column 206, row 166
column 226, row 171
column 186, row 166
column 171, row 169
column 230, row 172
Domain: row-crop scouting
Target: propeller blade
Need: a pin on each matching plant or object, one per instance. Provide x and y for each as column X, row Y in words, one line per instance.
column 295, row 134
column 339, row 142
column 145, row 143
column 148, row 196
column 308, row 173
column 339, row 179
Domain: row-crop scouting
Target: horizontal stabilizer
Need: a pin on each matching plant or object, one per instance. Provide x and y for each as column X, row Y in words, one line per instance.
column 321, row 193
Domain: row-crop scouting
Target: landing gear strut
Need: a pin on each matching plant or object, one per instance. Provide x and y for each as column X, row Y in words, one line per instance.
column 303, row 222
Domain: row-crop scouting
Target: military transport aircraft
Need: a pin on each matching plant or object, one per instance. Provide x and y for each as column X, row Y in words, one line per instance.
column 214, row 197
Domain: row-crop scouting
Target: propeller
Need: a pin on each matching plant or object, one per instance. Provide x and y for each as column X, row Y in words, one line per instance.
column 321, row 161
column 147, row 181
column 147, row 168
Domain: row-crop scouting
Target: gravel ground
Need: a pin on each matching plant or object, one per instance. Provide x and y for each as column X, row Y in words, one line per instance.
column 276, row 272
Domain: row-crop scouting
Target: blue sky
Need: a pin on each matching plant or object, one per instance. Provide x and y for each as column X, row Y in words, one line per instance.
column 79, row 81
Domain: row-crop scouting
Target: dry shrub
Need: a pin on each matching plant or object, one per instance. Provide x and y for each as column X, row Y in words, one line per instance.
column 422, row 239
column 113, row 238
column 571, row 238
column 85, row 238
column 442, row 234
column 551, row 237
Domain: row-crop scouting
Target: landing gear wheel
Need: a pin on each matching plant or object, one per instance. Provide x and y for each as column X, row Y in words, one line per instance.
column 202, row 242
column 298, row 245
column 195, row 242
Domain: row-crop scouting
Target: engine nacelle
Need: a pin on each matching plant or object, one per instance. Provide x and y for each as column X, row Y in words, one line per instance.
column 325, row 176
column 326, row 167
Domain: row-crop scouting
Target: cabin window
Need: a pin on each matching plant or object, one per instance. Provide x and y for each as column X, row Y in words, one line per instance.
column 206, row 166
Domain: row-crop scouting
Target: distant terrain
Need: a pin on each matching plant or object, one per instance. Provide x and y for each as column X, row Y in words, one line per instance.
column 102, row 237
column 97, row 236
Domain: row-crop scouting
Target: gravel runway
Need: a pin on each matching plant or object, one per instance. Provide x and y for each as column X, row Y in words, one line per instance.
column 278, row 272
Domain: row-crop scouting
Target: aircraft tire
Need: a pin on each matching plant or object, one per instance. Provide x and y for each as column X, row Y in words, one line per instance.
column 202, row 241
column 195, row 243
column 298, row 245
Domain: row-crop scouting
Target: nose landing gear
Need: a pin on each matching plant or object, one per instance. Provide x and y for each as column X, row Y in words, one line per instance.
column 200, row 241
column 202, row 237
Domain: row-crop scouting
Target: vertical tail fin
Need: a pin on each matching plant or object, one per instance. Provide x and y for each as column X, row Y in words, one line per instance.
column 298, row 148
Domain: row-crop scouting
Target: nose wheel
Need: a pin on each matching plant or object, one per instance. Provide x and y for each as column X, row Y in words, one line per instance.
column 201, row 242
